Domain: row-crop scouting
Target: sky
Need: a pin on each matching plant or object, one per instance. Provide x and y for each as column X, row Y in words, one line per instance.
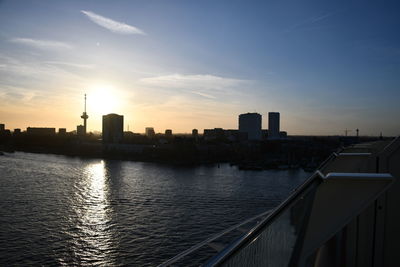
column 326, row 66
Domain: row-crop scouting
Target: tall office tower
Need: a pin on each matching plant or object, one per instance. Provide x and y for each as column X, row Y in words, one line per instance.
column 273, row 125
column 2, row 127
column 113, row 128
column 84, row 117
column 250, row 123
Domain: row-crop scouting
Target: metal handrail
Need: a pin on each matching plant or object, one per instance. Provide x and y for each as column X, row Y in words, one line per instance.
column 236, row 246
column 355, row 154
column 254, row 233
column 335, row 155
column 211, row 239
column 327, row 160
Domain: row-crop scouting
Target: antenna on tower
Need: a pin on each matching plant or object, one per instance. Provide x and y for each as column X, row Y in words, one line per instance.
column 84, row 117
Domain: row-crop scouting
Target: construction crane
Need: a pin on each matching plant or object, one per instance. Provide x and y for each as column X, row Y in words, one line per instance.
column 346, row 132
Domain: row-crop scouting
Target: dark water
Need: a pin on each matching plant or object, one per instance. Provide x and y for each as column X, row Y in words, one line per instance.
column 56, row 210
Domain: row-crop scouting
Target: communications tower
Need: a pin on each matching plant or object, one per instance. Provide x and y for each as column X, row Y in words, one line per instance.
column 84, row 117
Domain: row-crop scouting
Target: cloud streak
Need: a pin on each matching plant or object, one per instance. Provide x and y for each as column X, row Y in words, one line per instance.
column 112, row 25
column 70, row 64
column 27, row 73
column 41, row 44
column 205, row 81
column 309, row 22
column 203, row 85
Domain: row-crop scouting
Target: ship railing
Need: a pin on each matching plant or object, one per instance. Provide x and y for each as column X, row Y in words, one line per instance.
column 214, row 242
column 292, row 234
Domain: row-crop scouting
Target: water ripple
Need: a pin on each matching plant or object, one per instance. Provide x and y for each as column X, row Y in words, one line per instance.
column 56, row 210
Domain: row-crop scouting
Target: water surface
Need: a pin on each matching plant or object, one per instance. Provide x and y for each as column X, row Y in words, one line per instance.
column 57, row 210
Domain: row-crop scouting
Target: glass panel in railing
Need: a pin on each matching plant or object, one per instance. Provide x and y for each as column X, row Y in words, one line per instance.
column 277, row 243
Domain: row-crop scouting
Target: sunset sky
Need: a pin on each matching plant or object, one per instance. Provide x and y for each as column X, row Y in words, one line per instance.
column 324, row 65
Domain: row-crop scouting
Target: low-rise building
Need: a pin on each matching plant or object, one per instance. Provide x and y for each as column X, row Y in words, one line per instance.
column 149, row 131
column 42, row 131
column 168, row 133
column 62, row 131
column 80, row 130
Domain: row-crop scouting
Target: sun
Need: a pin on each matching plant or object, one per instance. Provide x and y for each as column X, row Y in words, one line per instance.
column 102, row 100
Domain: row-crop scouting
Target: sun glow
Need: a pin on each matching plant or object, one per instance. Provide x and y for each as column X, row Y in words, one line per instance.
column 103, row 100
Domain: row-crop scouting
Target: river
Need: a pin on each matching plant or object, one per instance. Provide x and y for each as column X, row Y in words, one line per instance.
column 63, row 211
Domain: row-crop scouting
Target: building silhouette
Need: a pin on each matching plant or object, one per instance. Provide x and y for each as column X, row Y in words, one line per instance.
column 40, row 131
column 62, row 131
column 2, row 127
column 273, row 125
column 17, row 131
column 84, row 117
column 214, row 134
column 250, row 123
column 80, row 130
column 113, row 128
column 149, row 131
column 168, row 133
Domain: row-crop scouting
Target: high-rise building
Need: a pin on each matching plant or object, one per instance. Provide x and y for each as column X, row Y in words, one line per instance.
column 250, row 123
column 273, row 125
column 113, row 128
column 2, row 127
column 149, row 131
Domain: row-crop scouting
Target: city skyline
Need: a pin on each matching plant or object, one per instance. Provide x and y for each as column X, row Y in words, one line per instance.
column 183, row 65
column 273, row 123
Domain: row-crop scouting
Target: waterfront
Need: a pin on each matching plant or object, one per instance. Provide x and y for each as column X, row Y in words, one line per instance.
column 58, row 210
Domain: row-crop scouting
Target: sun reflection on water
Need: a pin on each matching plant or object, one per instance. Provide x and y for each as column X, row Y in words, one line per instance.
column 95, row 237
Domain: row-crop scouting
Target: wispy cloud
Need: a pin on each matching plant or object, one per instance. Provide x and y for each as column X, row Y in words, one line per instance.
column 28, row 73
column 304, row 24
column 70, row 64
column 203, row 94
column 112, row 25
column 41, row 44
column 15, row 93
column 204, row 85
column 192, row 81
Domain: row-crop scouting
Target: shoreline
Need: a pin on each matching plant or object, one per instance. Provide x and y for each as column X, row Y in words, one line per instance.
column 240, row 165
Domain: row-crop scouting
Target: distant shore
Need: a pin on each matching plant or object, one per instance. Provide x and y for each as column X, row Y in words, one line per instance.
column 306, row 153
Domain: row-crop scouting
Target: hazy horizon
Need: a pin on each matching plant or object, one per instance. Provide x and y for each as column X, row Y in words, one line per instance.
column 179, row 65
